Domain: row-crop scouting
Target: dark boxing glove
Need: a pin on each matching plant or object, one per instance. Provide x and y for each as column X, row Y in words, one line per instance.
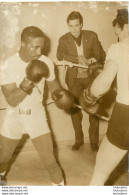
column 89, row 102
column 27, row 86
column 36, row 70
column 94, row 69
column 63, row 99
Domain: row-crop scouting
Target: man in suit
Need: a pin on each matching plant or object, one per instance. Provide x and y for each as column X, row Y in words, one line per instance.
column 81, row 47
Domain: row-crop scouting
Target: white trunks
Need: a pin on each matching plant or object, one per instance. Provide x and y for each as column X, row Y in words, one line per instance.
column 18, row 122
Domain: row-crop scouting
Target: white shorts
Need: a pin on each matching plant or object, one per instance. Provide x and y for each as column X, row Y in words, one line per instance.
column 18, row 122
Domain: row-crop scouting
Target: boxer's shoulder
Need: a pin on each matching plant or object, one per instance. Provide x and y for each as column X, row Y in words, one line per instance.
column 11, row 58
column 46, row 60
column 113, row 52
column 50, row 65
column 10, row 64
column 114, row 46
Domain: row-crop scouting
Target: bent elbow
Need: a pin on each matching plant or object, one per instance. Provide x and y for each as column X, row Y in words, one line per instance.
column 11, row 102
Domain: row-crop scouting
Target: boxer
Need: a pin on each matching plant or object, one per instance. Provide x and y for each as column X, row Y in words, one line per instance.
column 21, row 75
column 115, row 144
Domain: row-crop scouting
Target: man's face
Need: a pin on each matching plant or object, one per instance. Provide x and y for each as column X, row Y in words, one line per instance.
column 75, row 27
column 33, row 48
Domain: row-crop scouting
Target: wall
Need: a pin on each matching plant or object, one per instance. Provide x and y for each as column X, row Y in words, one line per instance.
column 51, row 18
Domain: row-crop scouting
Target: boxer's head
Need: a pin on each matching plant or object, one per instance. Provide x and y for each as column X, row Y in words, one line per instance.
column 75, row 23
column 121, row 23
column 32, row 43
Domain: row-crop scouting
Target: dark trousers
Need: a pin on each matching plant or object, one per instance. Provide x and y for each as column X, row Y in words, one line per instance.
column 79, row 85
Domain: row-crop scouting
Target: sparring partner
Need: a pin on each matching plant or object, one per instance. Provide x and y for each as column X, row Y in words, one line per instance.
column 115, row 144
column 22, row 82
column 81, row 47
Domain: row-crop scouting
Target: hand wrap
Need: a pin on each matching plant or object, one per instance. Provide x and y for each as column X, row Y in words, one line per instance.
column 27, row 86
column 89, row 102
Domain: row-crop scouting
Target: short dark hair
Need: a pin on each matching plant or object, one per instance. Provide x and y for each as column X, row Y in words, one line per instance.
column 31, row 32
column 121, row 18
column 75, row 15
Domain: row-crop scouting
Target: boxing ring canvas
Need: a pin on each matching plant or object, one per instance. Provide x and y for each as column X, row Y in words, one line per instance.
column 51, row 18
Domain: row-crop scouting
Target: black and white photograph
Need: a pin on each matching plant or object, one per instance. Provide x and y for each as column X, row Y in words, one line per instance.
column 64, row 93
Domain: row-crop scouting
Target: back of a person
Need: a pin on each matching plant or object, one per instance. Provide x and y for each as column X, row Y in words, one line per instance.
column 123, row 72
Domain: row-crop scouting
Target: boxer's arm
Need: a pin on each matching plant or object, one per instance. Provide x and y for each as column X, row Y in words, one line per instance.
column 13, row 95
column 53, row 85
column 52, row 82
column 104, row 80
column 90, row 96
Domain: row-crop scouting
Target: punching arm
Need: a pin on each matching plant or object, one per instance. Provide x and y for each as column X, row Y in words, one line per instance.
column 53, row 85
column 89, row 99
column 104, row 80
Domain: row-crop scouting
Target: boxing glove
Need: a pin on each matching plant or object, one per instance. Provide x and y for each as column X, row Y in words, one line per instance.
column 63, row 99
column 88, row 102
column 36, row 70
column 27, row 86
column 94, row 69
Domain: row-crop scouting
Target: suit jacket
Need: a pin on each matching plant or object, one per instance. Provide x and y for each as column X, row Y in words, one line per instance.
column 67, row 51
